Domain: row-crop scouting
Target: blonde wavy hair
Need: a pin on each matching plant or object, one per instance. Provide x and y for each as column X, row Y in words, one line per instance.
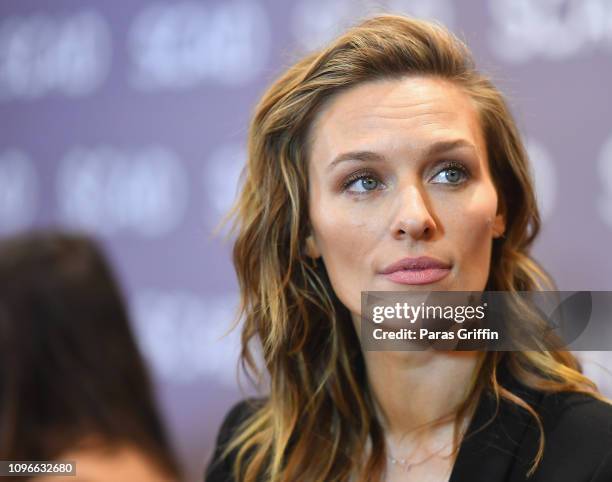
column 320, row 407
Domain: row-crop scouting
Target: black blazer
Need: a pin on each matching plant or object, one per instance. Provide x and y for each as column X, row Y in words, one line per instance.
column 577, row 428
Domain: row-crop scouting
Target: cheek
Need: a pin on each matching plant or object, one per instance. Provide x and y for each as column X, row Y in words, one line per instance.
column 472, row 230
column 342, row 234
column 346, row 240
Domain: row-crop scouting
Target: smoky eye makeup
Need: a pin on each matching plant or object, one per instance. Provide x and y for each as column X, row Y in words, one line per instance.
column 449, row 172
column 455, row 173
column 362, row 175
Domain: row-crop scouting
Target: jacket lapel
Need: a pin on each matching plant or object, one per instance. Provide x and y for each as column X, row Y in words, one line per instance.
column 489, row 449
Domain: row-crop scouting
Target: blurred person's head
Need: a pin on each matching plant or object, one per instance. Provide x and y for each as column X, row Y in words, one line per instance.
column 72, row 380
column 432, row 163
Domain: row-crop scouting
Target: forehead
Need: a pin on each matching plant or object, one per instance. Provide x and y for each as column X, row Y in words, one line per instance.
column 394, row 116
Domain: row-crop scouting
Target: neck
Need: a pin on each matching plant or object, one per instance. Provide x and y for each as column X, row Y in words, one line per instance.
column 413, row 389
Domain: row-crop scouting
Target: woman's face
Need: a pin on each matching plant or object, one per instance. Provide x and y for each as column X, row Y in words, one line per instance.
column 398, row 169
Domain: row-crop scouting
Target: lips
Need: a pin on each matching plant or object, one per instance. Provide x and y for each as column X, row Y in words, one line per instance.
column 421, row 263
column 417, row 271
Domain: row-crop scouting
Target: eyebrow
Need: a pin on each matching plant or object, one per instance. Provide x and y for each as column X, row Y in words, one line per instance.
column 432, row 150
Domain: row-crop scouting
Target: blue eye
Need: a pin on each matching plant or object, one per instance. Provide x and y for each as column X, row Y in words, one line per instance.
column 362, row 182
column 453, row 173
column 365, row 182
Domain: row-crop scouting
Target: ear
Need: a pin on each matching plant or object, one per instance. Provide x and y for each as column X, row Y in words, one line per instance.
column 499, row 225
column 312, row 250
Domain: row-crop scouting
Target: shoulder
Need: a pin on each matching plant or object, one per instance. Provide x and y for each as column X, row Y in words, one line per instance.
column 125, row 461
column 238, row 413
column 577, row 437
column 587, row 418
column 218, row 468
column 577, row 434
column 563, row 413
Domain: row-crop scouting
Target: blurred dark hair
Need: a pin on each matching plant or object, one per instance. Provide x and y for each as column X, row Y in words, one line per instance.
column 69, row 364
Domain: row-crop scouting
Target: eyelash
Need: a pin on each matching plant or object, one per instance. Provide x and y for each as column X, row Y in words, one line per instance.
column 369, row 174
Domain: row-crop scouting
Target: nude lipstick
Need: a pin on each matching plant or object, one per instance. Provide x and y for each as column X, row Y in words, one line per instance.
column 416, row 271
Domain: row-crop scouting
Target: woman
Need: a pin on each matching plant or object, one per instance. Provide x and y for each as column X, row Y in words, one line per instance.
column 73, row 385
column 388, row 146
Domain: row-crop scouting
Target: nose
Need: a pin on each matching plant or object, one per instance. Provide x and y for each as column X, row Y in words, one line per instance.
column 413, row 218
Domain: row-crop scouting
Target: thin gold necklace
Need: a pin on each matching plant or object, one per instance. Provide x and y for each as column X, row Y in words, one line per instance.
column 407, row 466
